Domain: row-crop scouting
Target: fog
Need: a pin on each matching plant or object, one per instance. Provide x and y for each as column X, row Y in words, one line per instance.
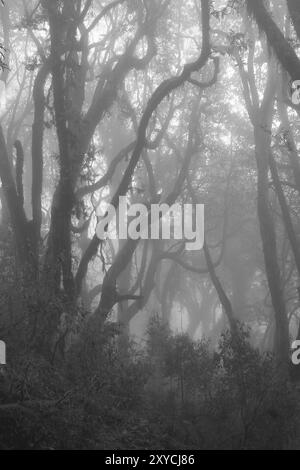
column 149, row 224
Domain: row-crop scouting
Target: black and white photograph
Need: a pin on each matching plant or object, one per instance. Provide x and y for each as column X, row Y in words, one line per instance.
column 150, row 228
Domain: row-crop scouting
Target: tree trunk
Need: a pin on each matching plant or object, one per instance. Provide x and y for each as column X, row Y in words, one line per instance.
column 284, row 51
column 294, row 10
column 21, row 228
column 262, row 136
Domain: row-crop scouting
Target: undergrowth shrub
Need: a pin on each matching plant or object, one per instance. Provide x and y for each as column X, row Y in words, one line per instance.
column 168, row 393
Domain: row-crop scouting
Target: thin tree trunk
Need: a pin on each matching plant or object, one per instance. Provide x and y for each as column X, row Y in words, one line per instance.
column 226, row 304
column 288, row 223
column 268, row 235
column 37, row 154
column 15, row 208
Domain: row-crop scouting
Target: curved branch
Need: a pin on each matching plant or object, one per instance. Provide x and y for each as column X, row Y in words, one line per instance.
column 163, row 90
column 19, row 171
column 81, row 192
column 284, row 51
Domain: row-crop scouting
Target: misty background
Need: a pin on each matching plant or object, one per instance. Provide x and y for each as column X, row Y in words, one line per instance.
column 142, row 344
